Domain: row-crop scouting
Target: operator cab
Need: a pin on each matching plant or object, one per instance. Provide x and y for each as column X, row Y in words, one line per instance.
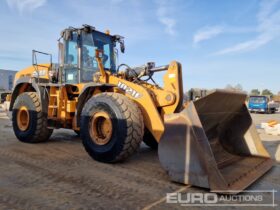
column 77, row 53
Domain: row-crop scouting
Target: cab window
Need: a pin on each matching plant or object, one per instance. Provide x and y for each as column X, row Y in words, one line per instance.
column 71, row 61
column 90, row 43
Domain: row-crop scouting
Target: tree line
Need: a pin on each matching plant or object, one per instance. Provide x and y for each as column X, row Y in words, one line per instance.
column 254, row 91
column 194, row 93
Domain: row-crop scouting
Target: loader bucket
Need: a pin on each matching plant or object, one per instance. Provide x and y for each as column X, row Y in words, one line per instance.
column 213, row 143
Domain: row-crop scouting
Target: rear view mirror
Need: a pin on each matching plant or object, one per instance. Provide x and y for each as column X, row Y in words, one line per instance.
column 122, row 45
column 120, row 39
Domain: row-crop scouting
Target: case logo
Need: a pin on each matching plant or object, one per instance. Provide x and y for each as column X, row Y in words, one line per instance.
column 129, row 90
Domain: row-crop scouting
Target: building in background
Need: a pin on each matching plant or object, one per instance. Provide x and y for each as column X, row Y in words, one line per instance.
column 6, row 79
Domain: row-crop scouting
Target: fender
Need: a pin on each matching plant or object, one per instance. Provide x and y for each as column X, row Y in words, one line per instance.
column 86, row 94
column 32, row 85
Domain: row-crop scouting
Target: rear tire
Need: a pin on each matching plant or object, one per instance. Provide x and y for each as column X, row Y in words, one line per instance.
column 29, row 121
column 123, row 131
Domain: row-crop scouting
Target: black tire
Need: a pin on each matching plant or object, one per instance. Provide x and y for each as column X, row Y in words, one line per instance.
column 37, row 130
column 149, row 140
column 268, row 111
column 127, row 127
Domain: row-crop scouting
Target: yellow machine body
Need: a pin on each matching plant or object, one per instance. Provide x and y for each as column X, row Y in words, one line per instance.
column 210, row 143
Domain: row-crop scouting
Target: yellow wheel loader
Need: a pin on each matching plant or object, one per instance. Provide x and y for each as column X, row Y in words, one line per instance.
column 210, row 143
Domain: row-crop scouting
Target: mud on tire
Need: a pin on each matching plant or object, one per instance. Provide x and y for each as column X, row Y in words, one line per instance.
column 127, row 127
column 36, row 130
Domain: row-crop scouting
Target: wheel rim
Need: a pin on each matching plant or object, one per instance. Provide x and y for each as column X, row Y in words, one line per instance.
column 23, row 118
column 101, row 128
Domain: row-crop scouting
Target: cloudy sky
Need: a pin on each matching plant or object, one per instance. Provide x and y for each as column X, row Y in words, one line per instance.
column 217, row 42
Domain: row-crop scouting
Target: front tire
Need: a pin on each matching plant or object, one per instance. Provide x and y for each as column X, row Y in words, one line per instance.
column 29, row 121
column 112, row 127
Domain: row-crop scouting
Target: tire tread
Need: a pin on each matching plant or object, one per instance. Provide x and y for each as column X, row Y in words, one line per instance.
column 135, row 125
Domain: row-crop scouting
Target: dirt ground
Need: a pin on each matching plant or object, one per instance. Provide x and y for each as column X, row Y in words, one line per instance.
column 60, row 175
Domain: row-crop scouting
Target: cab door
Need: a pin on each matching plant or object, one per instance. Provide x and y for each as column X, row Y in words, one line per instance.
column 71, row 60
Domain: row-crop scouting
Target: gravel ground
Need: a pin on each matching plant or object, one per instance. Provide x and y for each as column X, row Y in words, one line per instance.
column 60, row 175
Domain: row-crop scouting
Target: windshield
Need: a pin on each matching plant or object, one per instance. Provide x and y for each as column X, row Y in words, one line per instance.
column 91, row 42
column 257, row 100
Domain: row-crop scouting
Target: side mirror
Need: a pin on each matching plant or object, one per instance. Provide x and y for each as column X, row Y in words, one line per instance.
column 122, row 45
column 120, row 39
